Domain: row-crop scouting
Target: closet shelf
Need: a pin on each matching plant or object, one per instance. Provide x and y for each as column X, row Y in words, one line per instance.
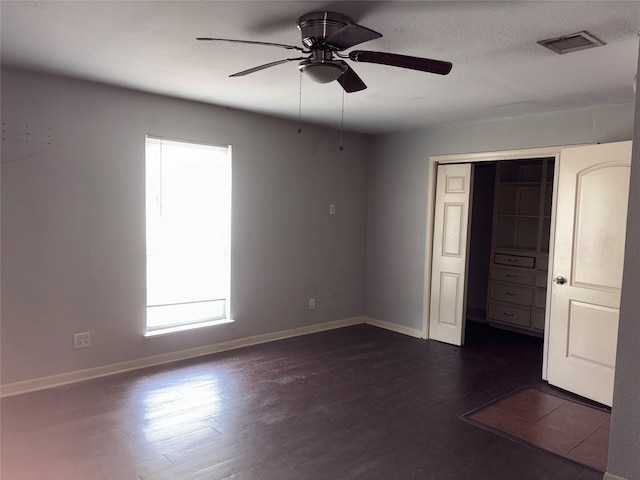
column 520, row 245
column 522, row 184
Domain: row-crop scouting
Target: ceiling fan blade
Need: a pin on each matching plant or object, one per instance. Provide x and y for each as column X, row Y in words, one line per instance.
column 351, row 35
column 266, row 65
column 403, row 61
column 250, row 42
column 350, row 81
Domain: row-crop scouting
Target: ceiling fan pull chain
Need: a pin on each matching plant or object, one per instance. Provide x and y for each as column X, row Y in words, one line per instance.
column 342, row 123
column 300, row 106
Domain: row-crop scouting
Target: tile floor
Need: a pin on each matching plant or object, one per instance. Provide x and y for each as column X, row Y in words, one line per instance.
column 561, row 426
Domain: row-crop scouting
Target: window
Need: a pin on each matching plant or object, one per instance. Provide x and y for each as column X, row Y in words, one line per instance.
column 188, row 203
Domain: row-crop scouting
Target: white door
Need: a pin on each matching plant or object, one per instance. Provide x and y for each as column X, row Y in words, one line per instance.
column 449, row 261
column 591, row 217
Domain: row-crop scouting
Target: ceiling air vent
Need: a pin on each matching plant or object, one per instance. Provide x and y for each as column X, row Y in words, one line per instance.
column 571, row 43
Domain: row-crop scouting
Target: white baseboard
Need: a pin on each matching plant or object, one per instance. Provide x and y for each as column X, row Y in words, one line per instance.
column 42, row 383
column 394, row 327
column 611, row 476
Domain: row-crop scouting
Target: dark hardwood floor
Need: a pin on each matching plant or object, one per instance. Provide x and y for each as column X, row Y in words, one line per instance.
column 355, row 403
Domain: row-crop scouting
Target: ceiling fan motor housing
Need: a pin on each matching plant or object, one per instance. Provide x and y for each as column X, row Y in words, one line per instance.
column 317, row 26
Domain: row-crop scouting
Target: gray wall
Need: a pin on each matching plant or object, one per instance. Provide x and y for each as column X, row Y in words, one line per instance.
column 398, row 172
column 73, row 235
column 624, row 443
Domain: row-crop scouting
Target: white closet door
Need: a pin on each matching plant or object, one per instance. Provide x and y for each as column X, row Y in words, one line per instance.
column 449, row 262
column 591, row 217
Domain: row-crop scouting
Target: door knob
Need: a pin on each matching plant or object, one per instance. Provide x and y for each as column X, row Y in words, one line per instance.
column 559, row 280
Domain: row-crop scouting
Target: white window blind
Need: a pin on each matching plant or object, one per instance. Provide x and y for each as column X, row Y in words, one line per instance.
column 188, row 225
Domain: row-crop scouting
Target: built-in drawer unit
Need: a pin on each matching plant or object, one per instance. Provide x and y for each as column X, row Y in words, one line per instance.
column 537, row 319
column 540, row 298
column 517, row 290
column 543, row 262
column 514, row 260
column 521, row 277
column 510, row 293
column 506, row 314
column 541, row 279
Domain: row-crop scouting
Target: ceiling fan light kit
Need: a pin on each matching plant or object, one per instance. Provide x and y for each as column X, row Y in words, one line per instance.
column 323, row 71
column 325, row 35
column 321, row 67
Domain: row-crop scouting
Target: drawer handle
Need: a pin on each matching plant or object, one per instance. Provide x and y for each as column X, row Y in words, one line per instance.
column 510, row 275
column 510, row 294
column 511, row 260
column 507, row 314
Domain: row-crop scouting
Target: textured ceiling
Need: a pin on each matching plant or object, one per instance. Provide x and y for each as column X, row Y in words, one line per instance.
column 498, row 68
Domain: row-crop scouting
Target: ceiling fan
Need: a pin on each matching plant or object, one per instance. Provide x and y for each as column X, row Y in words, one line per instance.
column 325, row 35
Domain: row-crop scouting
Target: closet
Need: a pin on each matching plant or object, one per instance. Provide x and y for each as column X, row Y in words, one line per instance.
column 509, row 243
column 489, row 253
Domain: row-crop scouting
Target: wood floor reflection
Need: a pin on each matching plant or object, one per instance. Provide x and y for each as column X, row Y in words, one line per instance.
column 355, row 403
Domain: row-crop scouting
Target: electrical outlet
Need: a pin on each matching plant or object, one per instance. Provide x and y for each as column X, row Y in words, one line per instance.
column 81, row 340
column 312, row 304
column 332, row 209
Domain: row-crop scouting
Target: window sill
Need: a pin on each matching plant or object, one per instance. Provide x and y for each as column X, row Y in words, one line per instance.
column 183, row 328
